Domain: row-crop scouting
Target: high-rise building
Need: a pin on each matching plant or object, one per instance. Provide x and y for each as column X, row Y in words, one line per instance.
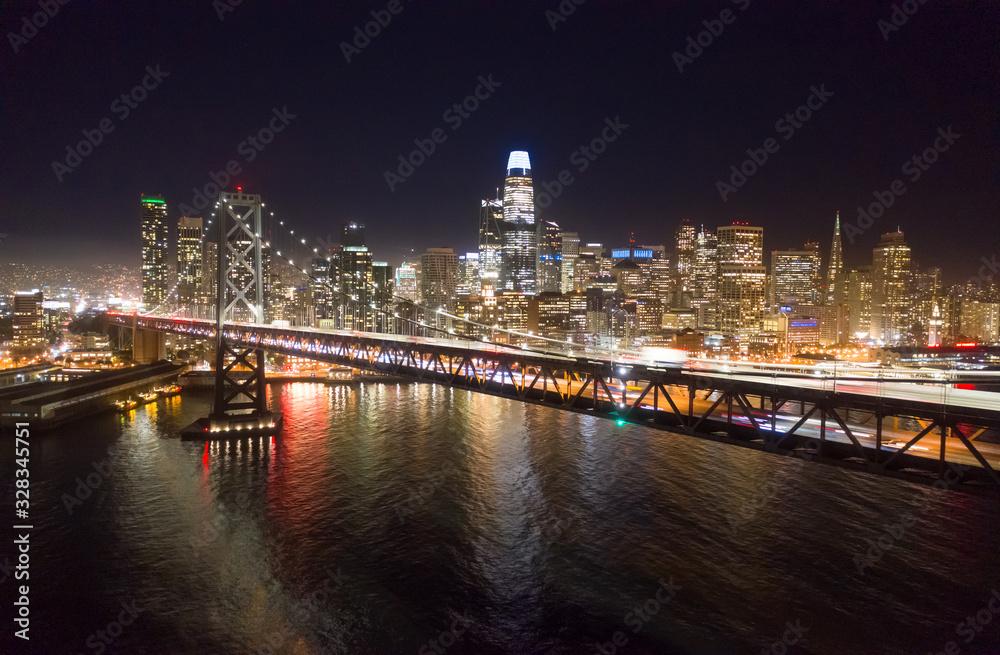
column 27, row 319
column 570, row 245
column 491, row 226
column 685, row 239
column 859, row 302
column 741, row 280
column 467, row 280
column 209, row 278
column 382, row 295
column 189, row 263
column 354, row 280
column 321, row 289
column 520, row 233
column 153, row 212
column 406, row 282
column 891, row 289
column 660, row 281
column 438, row 279
column 704, row 278
column 794, row 274
column 549, row 257
column 835, row 268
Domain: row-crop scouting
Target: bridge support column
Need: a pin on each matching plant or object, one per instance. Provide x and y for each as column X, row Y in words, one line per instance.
column 240, row 407
column 148, row 346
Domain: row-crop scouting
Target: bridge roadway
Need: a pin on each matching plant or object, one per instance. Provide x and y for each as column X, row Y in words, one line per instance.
column 777, row 408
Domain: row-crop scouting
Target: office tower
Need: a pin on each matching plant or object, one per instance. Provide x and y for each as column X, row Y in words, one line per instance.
column 438, row 278
column 189, row 264
column 153, row 211
column 549, row 257
column 859, row 302
column 520, row 233
column 209, row 278
column 382, row 295
column 684, row 243
column 891, row 289
column 835, row 267
column 491, row 226
column 354, row 281
column 704, row 277
column 642, row 258
column 629, row 277
column 660, row 273
column 406, row 282
column 794, row 274
column 321, row 289
column 590, row 264
column 27, row 319
column 570, row 245
column 741, row 280
column 467, row 279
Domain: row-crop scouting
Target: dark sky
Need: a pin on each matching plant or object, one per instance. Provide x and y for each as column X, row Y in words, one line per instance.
column 556, row 88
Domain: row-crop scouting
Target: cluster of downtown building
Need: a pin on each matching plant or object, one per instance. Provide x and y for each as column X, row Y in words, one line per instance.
column 711, row 292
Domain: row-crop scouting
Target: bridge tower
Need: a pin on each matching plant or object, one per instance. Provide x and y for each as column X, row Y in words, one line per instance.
column 240, row 406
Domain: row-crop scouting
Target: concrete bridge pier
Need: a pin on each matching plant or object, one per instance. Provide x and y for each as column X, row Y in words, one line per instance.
column 148, row 346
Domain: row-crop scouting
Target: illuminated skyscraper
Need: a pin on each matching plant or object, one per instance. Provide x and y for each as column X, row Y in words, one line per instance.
column 27, row 320
column 741, row 280
column 836, row 267
column 891, row 289
column 354, row 279
column 320, row 289
column 438, row 278
column 153, row 212
column 467, row 277
column 490, row 245
column 520, row 235
column 569, row 243
column 549, row 257
column 794, row 274
column 406, row 282
column 190, row 269
column 859, row 302
column 704, row 277
column 384, row 288
column 685, row 242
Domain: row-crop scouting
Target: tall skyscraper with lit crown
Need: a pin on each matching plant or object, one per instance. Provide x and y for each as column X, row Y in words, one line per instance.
column 153, row 212
column 520, row 237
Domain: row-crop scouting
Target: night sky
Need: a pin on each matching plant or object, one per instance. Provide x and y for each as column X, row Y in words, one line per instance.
column 887, row 92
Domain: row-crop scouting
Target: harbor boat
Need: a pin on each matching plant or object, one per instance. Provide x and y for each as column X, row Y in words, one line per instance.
column 126, row 405
column 168, row 391
column 148, row 397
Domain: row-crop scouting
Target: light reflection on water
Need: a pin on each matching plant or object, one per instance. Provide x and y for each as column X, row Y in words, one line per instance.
column 384, row 512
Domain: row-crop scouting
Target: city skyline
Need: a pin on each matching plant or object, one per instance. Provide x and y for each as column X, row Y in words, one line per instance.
column 666, row 162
